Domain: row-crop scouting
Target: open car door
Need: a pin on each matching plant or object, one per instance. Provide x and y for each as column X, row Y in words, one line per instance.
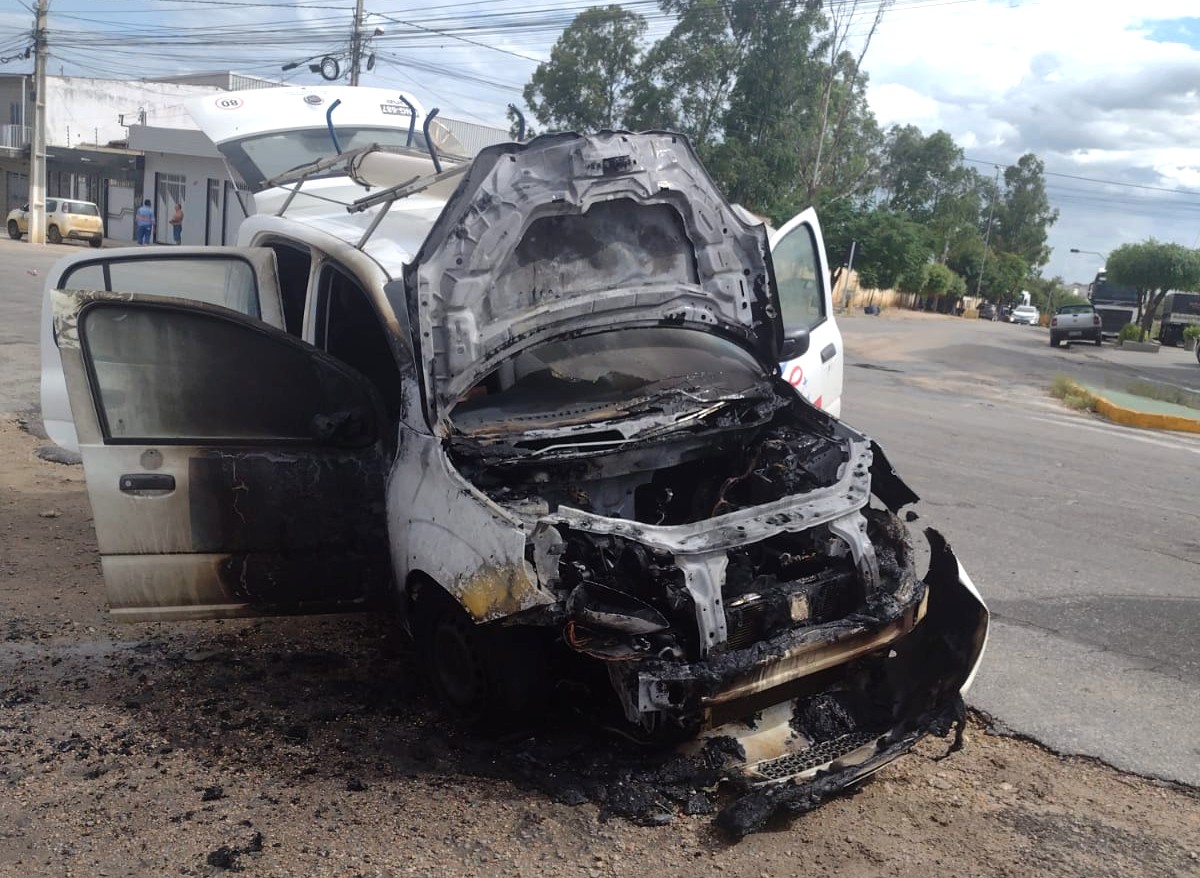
column 244, row 279
column 813, row 356
column 232, row 469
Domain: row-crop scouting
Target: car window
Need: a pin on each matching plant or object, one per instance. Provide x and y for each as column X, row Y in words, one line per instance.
column 51, row 205
column 349, row 329
column 83, row 208
column 215, row 280
column 798, row 279
column 162, row 374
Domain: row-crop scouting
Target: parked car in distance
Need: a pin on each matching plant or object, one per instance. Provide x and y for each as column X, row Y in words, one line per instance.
column 987, row 311
column 1079, row 321
column 66, row 218
column 1025, row 314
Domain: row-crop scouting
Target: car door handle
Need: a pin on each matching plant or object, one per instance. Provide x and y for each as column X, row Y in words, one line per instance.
column 828, row 352
column 138, row 483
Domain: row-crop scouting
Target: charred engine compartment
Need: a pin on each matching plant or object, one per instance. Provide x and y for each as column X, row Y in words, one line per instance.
column 675, row 479
column 625, row 601
column 696, row 559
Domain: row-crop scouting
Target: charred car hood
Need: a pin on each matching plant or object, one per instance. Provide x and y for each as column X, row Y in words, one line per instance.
column 572, row 233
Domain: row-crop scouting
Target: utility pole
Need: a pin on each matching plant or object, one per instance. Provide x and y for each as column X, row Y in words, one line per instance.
column 987, row 238
column 37, row 146
column 356, row 44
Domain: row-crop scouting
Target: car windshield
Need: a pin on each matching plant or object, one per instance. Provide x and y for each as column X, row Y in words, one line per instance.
column 1075, row 309
column 265, row 156
column 601, row 376
column 81, row 208
column 1026, row 309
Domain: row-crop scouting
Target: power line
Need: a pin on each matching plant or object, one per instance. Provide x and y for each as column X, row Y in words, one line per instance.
column 1102, row 182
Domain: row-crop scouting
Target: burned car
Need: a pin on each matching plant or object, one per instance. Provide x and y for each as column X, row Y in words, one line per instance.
column 533, row 401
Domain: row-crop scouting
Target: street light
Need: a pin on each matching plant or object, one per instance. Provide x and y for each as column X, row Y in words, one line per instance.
column 1091, row 252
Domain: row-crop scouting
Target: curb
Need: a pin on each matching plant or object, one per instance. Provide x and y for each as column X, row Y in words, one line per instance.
column 1144, row 420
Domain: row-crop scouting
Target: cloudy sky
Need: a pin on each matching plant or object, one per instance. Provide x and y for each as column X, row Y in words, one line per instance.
column 1106, row 93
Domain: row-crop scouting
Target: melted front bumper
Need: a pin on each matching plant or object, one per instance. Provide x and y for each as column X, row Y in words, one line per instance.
column 912, row 671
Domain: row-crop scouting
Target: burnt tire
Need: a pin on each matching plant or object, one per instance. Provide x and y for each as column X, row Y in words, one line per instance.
column 53, row 235
column 482, row 675
column 14, row 231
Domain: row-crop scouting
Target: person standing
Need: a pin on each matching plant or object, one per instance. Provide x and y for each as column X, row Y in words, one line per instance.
column 177, row 223
column 144, row 219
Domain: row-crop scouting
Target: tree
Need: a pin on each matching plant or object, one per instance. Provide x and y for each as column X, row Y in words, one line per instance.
column 925, row 179
column 776, row 82
column 797, row 130
column 889, row 247
column 586, row 83
column 1004, row 277
column 1023, row 215
column 842, row 115
column 685, row 79
column 1153, row 268
column 966, row 258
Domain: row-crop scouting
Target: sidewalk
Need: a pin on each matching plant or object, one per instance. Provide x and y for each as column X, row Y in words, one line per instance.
column 1141, row 411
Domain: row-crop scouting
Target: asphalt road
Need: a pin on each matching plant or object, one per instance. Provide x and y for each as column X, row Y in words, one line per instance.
column 1082, row 535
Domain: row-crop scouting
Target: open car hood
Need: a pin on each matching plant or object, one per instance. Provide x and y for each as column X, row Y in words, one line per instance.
column 572, row 233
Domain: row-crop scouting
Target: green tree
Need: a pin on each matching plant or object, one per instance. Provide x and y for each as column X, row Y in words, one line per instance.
column 836, row 150
column 966, row 258
column 685, row 79
column 939, row 280
column 776, row 85
column 1004, row 276
column 1153, row 268
column 586, row 83
column 797, row 130
column 889, row 247
column 1023, row 214
column 925, row 179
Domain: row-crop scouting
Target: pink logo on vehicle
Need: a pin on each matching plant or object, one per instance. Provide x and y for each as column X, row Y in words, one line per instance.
column 227, row 103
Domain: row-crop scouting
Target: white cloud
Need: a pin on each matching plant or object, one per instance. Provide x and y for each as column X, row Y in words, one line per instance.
column 1082, row 85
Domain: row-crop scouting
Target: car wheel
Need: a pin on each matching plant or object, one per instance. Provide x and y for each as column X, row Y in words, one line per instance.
column 1054, row 340
column 482, row 674
column 54, row 235
column 95, row 242
column 14, row 231
column 1198, row 353
column 1099, row 340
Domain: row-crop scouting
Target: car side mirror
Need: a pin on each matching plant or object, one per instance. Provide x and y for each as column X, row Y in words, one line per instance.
column 795, row 344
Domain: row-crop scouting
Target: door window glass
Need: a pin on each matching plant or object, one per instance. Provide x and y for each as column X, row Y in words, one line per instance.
column 294, row 265
column 349, row 329
column 161, row 374
column 797, row 274
column 225, row 281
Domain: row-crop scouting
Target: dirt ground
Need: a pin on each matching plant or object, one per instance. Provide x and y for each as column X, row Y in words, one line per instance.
column 307, row 747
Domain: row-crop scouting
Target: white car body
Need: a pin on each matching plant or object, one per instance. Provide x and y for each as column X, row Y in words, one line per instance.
column 1026, row 314
column 356, row 406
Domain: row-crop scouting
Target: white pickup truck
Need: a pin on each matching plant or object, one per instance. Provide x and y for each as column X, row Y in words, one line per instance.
column 1075, row 323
